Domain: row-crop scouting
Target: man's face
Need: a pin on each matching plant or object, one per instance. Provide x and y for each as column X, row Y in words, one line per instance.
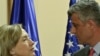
column 24, row 46
column 80, row 29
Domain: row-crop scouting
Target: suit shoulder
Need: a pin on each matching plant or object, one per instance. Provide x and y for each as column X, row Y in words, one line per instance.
column 81, row 52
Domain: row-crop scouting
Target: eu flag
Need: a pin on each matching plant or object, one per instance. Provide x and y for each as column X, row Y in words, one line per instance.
column 71, row 43
column 23, row 12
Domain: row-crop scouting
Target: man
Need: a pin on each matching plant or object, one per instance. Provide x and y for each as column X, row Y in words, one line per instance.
column 85, row 16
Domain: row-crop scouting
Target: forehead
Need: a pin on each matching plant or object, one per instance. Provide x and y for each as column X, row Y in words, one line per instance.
column 24, row 33
column 75, row 18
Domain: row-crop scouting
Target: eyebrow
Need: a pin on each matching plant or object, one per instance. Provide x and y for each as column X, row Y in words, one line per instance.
column 74, row 24
column 25, row 36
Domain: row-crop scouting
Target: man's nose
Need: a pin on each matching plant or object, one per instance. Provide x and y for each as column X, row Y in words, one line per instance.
column 73, row 30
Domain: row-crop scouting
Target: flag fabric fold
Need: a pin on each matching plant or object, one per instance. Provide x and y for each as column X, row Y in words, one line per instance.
column 71, row 43
column 23, row 12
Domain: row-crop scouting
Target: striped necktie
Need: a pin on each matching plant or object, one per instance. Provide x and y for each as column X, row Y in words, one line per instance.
column 91, row 52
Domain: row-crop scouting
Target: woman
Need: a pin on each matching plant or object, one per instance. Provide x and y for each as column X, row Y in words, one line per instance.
column 14, row 41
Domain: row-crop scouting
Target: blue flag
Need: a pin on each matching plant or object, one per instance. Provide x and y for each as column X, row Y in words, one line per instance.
column 23, row 12
column 71, row 43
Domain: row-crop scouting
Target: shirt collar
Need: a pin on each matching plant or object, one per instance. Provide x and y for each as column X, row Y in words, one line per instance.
column 97, row 48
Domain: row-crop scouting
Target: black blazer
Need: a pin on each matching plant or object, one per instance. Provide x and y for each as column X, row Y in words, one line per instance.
column 82, row 52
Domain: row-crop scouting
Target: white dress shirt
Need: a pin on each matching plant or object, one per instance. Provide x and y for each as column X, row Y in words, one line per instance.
column 97, row 49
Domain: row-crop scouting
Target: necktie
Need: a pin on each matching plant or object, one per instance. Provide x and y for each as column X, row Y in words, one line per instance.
column 91, row 52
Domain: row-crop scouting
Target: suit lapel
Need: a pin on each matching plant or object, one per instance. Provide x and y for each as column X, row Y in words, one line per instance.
column 82, row 52
column 86, row 51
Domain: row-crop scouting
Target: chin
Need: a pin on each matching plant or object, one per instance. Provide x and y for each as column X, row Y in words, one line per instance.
column 33, row 54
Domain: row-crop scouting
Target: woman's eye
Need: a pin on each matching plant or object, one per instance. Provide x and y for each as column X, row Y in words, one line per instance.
column 24, row 39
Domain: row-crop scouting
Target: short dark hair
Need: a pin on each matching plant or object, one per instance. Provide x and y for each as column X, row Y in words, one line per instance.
column 86, row 10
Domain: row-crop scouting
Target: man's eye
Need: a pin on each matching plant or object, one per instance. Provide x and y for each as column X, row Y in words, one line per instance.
column 74, row 25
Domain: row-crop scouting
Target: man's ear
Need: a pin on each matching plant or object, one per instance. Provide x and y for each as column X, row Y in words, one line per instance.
column 12, row 51
column 91, row 24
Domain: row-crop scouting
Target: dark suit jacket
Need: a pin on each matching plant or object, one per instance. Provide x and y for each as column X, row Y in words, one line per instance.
column 82, row 52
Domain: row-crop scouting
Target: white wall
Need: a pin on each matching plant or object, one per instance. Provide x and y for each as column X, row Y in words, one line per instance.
column 3, row 12
column 52, row 19
column 98, row 1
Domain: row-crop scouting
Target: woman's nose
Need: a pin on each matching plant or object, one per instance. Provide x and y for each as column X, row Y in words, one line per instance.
column 31, row 42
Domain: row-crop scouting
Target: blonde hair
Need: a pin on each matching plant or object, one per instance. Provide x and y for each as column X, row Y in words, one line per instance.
column 9, row 36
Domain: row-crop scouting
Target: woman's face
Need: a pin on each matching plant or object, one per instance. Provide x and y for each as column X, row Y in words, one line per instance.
column 24, row 47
